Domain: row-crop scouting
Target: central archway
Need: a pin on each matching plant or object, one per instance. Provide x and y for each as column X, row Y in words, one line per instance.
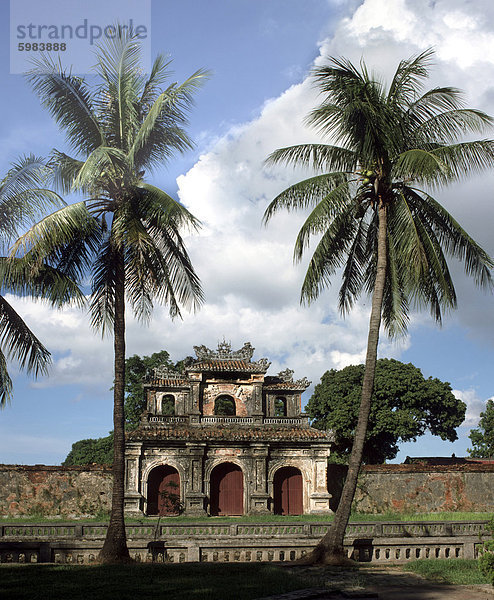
column 288, row 491
column 163, row 491
column 227, row 490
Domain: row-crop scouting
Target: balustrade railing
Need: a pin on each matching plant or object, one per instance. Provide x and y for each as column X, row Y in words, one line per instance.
column 377, row 542
column 226, row 420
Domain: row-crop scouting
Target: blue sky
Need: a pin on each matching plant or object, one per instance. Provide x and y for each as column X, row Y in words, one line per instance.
column 260, row 52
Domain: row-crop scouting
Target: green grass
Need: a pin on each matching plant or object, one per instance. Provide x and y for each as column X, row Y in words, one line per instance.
column 355, row 517
column 454, row 571
column 180, row 582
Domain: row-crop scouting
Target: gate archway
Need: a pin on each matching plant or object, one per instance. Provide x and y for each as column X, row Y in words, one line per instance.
column 227, row 490
column 288, row 491
column 163, row 491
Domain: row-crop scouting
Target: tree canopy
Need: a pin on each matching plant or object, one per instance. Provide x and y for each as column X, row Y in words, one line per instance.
column 483, row 436
column 92, row 450
column 136, row 369
column 404, row 406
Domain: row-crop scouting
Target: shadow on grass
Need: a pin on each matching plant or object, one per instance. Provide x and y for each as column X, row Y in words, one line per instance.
column 224, row 581
column 181, row 582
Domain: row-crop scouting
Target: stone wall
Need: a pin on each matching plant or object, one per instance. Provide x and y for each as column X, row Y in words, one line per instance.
column 419, row 488
column 86, row 491
column 31, row 490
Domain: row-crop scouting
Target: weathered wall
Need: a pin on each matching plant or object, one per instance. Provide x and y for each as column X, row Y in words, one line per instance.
column 420, row 488
column 86, row 491
column 46, row 490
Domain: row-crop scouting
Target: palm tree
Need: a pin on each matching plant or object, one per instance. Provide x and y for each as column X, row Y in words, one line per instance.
column 126, row 233
column 23, row 198
column 375, row 223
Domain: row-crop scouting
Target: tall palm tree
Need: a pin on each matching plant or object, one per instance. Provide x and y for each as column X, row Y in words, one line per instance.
column 23, row 198
column 126, row 233
column 387, row 235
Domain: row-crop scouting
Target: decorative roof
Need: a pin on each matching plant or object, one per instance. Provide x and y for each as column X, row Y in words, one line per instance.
column 229, row 433
column 261, row 366
column 284, row 381
column 226, row 359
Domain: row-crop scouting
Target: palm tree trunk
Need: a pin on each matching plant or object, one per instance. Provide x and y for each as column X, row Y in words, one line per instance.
column 115, row 548
column 330, row 549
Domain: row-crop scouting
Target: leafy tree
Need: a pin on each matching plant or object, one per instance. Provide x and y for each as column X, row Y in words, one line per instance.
column 404, row 406
column 126, row 234
column 136, row 369
column 86, row 452
column 23, row 199
column 374, row 221
column 483, row 437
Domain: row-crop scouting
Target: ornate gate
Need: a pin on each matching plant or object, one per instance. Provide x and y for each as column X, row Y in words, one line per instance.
column 227, row 490
column 288, row 491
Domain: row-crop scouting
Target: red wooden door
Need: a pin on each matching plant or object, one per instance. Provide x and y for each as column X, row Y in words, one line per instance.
column 227, row 490
column 163, row 491
column 288, row 492
column 169, row 493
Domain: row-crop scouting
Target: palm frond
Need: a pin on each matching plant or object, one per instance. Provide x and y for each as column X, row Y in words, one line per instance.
column 23, row 196
column 118, row 65
column 315, row 156
column 309, row 192
column 332, row 207
column 161, row 129
column 454, row 239
column 64, row 170
column 69, row 102
column 27, row 277
column 408, row 78
column 5, row 382
column 19, row 343
column 329, row 256
column 57, row 230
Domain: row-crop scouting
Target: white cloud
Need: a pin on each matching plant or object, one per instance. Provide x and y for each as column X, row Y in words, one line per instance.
column 474, row 406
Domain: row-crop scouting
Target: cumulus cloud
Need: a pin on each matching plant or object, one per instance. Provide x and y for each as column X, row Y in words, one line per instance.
column 475, row 406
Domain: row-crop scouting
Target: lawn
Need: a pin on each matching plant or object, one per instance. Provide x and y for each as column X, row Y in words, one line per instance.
column 355, row 517
column 180, row 582
column 455, row 571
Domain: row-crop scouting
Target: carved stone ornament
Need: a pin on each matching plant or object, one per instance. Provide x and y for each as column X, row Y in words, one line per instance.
column 225, row 352
column 286, row 376
column 302, row 383
column 163, row 372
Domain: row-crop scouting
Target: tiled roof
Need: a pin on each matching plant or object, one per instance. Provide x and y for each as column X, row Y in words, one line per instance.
column 294, row 385
column 225, row 365
column 229, row 433
column 169, row 382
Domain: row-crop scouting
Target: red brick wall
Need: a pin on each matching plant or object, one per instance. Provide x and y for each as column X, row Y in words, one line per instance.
column 420, row 488
column 54, row 491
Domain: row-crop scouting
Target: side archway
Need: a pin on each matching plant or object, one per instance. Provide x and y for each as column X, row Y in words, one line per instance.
column 288, row 491
column 163, row 497
column 227, row 490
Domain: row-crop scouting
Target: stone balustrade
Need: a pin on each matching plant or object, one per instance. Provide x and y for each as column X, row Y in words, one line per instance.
column 226, row 420
column 377, row 542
